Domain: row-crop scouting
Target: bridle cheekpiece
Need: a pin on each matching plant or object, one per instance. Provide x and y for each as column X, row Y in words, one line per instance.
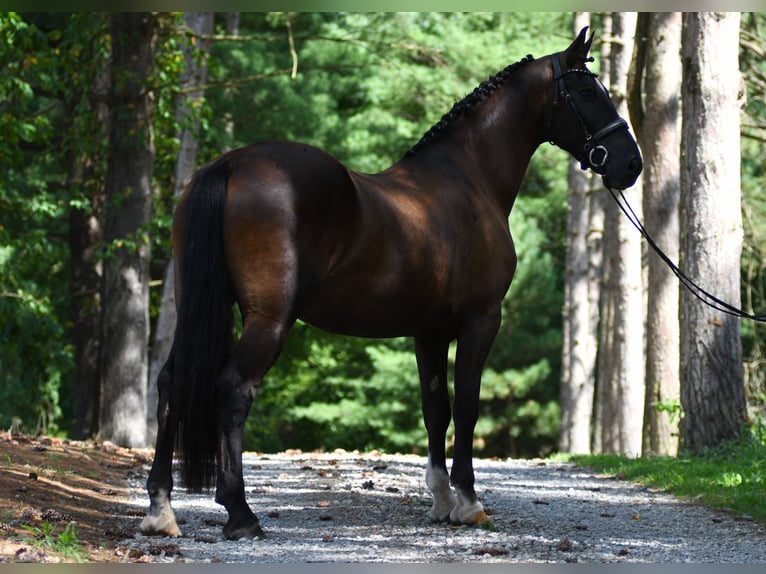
column 595, row 156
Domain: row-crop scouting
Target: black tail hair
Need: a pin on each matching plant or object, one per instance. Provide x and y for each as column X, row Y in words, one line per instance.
column 203, row 337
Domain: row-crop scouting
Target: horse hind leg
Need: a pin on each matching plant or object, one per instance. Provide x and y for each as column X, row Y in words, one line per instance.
column 256, row 351
column 161, row 519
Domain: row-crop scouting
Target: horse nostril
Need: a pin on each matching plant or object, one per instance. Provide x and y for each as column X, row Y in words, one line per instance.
column 635, row 165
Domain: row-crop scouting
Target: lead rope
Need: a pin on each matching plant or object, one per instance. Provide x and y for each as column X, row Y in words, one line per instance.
column 706, row 297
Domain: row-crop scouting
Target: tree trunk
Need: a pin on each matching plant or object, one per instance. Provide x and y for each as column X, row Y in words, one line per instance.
column 85, row 182
column 712, row 390
column 577, row 380
column 85, row 233
column 620, row 384
column 656, row 117
column 195, row 75
column 125, row 323
column 232, row 29
column 596, row 223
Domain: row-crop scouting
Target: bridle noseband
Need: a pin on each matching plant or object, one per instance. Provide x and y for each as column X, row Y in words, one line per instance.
column 595, row 156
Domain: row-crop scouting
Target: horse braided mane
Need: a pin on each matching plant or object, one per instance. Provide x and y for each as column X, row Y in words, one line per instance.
column 468, row 103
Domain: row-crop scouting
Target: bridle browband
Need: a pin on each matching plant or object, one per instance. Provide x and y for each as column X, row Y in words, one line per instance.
column 595, row 156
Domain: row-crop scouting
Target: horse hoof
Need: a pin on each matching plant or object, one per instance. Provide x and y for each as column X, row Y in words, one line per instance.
column 252, row 530
column 478, row 518
column 472, row 520
column 437, row 518
column 470, row 514
column 163, row 525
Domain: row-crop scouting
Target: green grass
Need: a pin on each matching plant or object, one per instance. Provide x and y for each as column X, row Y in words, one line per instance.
column 732, row 477
column 64, row 543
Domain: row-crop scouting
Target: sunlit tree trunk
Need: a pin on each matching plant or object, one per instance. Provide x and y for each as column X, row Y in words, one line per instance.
column 195, row 75
column 712, row 390
column 620, row 383
column 125, row 323
column 596, row 222
column 577, row 372
column 655, row 114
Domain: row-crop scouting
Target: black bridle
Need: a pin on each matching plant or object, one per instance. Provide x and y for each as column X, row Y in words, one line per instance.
column 595, row 156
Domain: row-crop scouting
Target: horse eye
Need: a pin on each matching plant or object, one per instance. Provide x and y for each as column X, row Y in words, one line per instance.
column 587, row 93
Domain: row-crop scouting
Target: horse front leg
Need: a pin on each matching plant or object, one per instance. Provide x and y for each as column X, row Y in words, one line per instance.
column 432, row 366
column 474, row 344
column 161, row 519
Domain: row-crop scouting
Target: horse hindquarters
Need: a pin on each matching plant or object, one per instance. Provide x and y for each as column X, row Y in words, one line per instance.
column 201, row 346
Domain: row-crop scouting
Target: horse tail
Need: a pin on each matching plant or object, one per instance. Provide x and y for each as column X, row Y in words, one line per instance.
column 203, row 338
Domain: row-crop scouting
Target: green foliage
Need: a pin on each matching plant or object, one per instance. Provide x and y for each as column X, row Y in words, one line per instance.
column 65, row 543
column 753, row 177
column 367, row 86
column 730, row 477
column 382, row 411
column 34, row 356
column 47, row 118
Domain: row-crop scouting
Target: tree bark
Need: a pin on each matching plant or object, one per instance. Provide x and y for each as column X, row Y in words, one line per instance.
column 195, row 75
column 620, row 385
column 85, row 182
column 577, row 379
column 85, row 233
column 596, row 224
column 712, row 390
column 655, row 113
column 125, row 323
column 232, row 29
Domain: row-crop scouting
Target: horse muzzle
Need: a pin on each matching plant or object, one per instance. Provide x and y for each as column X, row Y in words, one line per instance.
column 622, row 175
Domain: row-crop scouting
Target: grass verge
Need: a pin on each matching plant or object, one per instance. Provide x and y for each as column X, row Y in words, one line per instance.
column 732, row 477
column 64, row 543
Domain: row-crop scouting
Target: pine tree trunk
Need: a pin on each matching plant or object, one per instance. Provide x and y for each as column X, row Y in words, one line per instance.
column 655, row 113
column 620, row 385
column 85, row 182
column 125, row 323
column 195, row 75
column 712, row 390
column 577, row 381
column 596, row 225
column 577, row 385
column 85, row 232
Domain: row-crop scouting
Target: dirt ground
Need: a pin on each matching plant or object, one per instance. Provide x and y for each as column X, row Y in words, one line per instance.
column 46, row 484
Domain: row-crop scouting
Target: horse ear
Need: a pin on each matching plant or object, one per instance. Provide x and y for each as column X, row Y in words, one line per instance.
column 577, row 53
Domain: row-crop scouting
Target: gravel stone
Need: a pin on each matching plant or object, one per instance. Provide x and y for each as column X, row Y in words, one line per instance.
column 350, row 507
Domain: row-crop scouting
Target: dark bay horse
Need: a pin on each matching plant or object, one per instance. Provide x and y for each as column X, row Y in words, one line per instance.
column 422, row 249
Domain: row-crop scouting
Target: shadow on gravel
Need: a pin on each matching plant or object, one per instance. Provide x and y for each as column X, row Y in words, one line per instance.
column 347, row 507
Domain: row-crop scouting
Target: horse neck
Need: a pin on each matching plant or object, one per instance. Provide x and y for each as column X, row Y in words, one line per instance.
column 493, row 144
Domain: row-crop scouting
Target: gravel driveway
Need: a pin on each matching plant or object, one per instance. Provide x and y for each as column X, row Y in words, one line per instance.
column 349, row 507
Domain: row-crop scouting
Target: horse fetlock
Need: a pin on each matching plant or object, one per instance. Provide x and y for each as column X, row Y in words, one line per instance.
column 444, row 500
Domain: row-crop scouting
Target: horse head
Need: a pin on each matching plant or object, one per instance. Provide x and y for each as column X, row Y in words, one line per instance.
column 584, row 121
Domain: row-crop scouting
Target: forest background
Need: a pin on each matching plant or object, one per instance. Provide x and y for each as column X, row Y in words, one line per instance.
column 364, row 87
